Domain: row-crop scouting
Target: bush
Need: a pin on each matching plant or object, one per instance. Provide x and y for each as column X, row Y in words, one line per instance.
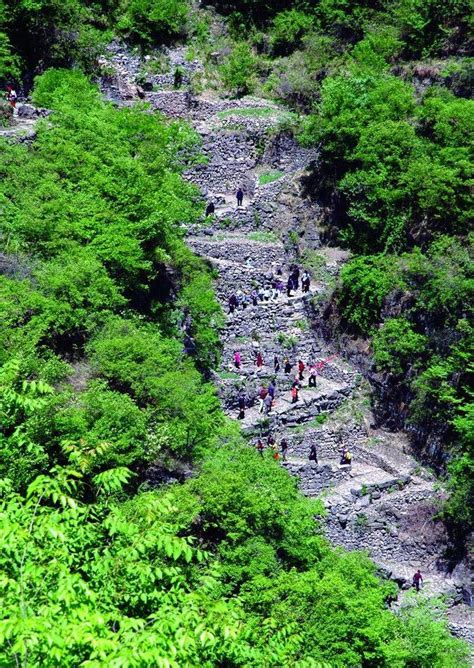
column 287, row 31
column 238, row 71
column 397, row 346
column 365, row 282
column 152, row 22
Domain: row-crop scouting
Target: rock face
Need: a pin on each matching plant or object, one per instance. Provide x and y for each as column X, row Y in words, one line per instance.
column 384, row 502
column 21, row 125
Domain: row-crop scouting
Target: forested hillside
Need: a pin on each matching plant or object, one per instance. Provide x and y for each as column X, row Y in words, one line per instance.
column 110, row 332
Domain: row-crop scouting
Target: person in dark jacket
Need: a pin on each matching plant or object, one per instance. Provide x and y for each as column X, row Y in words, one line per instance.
column 313, row 453
column 210, row 208
column 233, row 303
column 295, row 276
column 241, row 407
column 305, row 282
column 240, row 197
column 284, row 448
column 289, row 286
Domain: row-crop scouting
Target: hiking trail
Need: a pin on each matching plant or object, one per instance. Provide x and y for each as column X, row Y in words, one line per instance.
column 386, row 502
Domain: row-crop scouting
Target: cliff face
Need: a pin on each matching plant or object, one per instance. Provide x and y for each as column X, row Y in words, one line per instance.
column 392, row 395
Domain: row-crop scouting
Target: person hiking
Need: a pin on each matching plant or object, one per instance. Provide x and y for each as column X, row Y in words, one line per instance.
column 272, row 389
column 417, row 580
column 276, row 364
column 267, row 293
column 244, row 301
column 259, row 361
column 261, row 293
column 12, row 97
column 289, row 286
column 301, row 368
column 346, row 457
column 268, row 402
column 313, row 372
column 296, row 276
column 261, row 397
column 313, row 453
column 284, row 448
column 232, row 303
column 240, row 197
column 210, row 209
column 276, row 454
column 270, row 441
column 260, row 447
column 305, row 282
column 241, row 407
column 294, row 394
column 287, row 365
column 254, row 297
column 237, row 359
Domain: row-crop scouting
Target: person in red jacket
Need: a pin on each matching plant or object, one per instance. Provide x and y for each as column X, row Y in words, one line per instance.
column 294, row 394
column 259, row 361
column 237, row 359
column 301, row 368
column 417, row 580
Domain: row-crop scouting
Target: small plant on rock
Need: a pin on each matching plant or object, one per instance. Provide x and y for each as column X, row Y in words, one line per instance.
column 287, row 341
column 361, row 520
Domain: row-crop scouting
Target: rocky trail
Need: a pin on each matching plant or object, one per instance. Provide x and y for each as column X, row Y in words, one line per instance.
column 386, row 502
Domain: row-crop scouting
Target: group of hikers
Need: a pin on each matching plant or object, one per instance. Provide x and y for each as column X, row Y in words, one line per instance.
column 313, row 452
column 271, row 291
column 211, row 207
column 266, row 394
column 314, row 368
column 273, row 447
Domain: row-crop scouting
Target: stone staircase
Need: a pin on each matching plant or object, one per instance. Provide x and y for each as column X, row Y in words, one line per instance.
column 385, row 503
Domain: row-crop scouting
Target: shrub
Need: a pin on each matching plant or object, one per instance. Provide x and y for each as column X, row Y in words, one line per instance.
column 287, row 30
column 365, row 282
column 238, row 71
column 152, row 22
column 397, row 346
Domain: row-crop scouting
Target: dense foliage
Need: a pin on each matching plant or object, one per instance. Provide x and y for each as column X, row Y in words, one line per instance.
column 92, row 236
column 227, row 569
column 45, row 33
column 399, row 171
